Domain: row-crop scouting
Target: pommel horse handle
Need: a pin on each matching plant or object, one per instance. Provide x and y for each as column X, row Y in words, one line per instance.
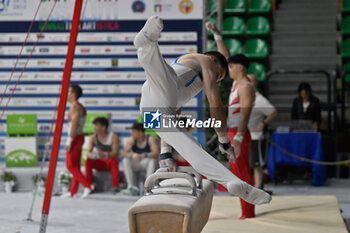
column 186, row 169
column 191, row 171
column 150, row 181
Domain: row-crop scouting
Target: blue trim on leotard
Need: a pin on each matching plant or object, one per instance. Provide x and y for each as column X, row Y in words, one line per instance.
column 175, row 61
column 191, row 81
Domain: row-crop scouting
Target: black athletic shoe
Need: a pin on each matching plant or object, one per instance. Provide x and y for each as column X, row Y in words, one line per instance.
column 268, row 191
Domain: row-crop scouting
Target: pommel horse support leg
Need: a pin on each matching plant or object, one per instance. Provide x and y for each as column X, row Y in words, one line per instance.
column 178, row 204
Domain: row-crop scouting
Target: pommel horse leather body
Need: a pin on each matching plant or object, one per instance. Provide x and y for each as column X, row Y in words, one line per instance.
column 180, row 203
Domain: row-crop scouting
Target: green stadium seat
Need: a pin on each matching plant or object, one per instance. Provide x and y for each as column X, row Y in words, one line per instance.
column 234, row 46
column 259, row 7
column 258, row 26
column 346, row 67
column 256, row 49
column 346, row 6
column 345, row 49
column 215, row 21
column 257, row 69
column 235, row 6
column 211, row 45
column 212, row 5
column 345, row 26
column 233, row 26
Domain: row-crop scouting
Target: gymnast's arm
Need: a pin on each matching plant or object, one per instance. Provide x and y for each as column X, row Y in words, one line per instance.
column 126, row 152
column 154, row 147
column 90, row 145
column 247, row 96
column 220, row 43
column 212, row 92
column 115, row 147
column 222, row 48
column 75, row 115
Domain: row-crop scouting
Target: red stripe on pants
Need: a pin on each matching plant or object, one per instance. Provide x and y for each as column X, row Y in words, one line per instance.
column 241, row 168
column 103, row 165
column 182, row 163
column 73, row 164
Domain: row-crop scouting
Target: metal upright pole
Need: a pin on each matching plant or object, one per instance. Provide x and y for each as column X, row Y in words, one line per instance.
column 60, row 114
column 220, row 14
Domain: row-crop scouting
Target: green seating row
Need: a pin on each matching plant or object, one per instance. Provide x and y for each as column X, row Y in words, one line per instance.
column 345, row 54
column 345, row 26
column 346, row 67
column 258, row 69
column 346, row 6
column 253, row 48
column 345, row 31
column 240, row 7
column 345, row 49
column 256, row 49
column 212, row 5
column 258, row 25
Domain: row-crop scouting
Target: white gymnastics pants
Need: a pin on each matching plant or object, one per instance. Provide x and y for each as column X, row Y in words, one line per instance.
column 160, row 91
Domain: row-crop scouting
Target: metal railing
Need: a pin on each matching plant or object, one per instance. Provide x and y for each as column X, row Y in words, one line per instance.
column 344, row 89
column 219, row 15
column 331, row 105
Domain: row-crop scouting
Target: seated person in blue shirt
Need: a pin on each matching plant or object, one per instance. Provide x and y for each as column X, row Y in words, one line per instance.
column 140, row 155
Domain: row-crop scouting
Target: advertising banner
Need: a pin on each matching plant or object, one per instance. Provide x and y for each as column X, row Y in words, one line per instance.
column 87, row 89
column 102, row 10
column 76, row 76
column 21, row 124
column 87, row 102
column 62, row 37
column 90, row 117
column 20, row 152
column 112, row 50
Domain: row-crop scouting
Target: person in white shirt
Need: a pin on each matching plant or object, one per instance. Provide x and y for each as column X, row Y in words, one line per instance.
column 262, row 114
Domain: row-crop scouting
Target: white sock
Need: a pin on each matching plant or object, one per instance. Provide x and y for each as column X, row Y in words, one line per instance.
column 150, row 32
column 249, row 193
column 66, row 195
column 86, row 193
